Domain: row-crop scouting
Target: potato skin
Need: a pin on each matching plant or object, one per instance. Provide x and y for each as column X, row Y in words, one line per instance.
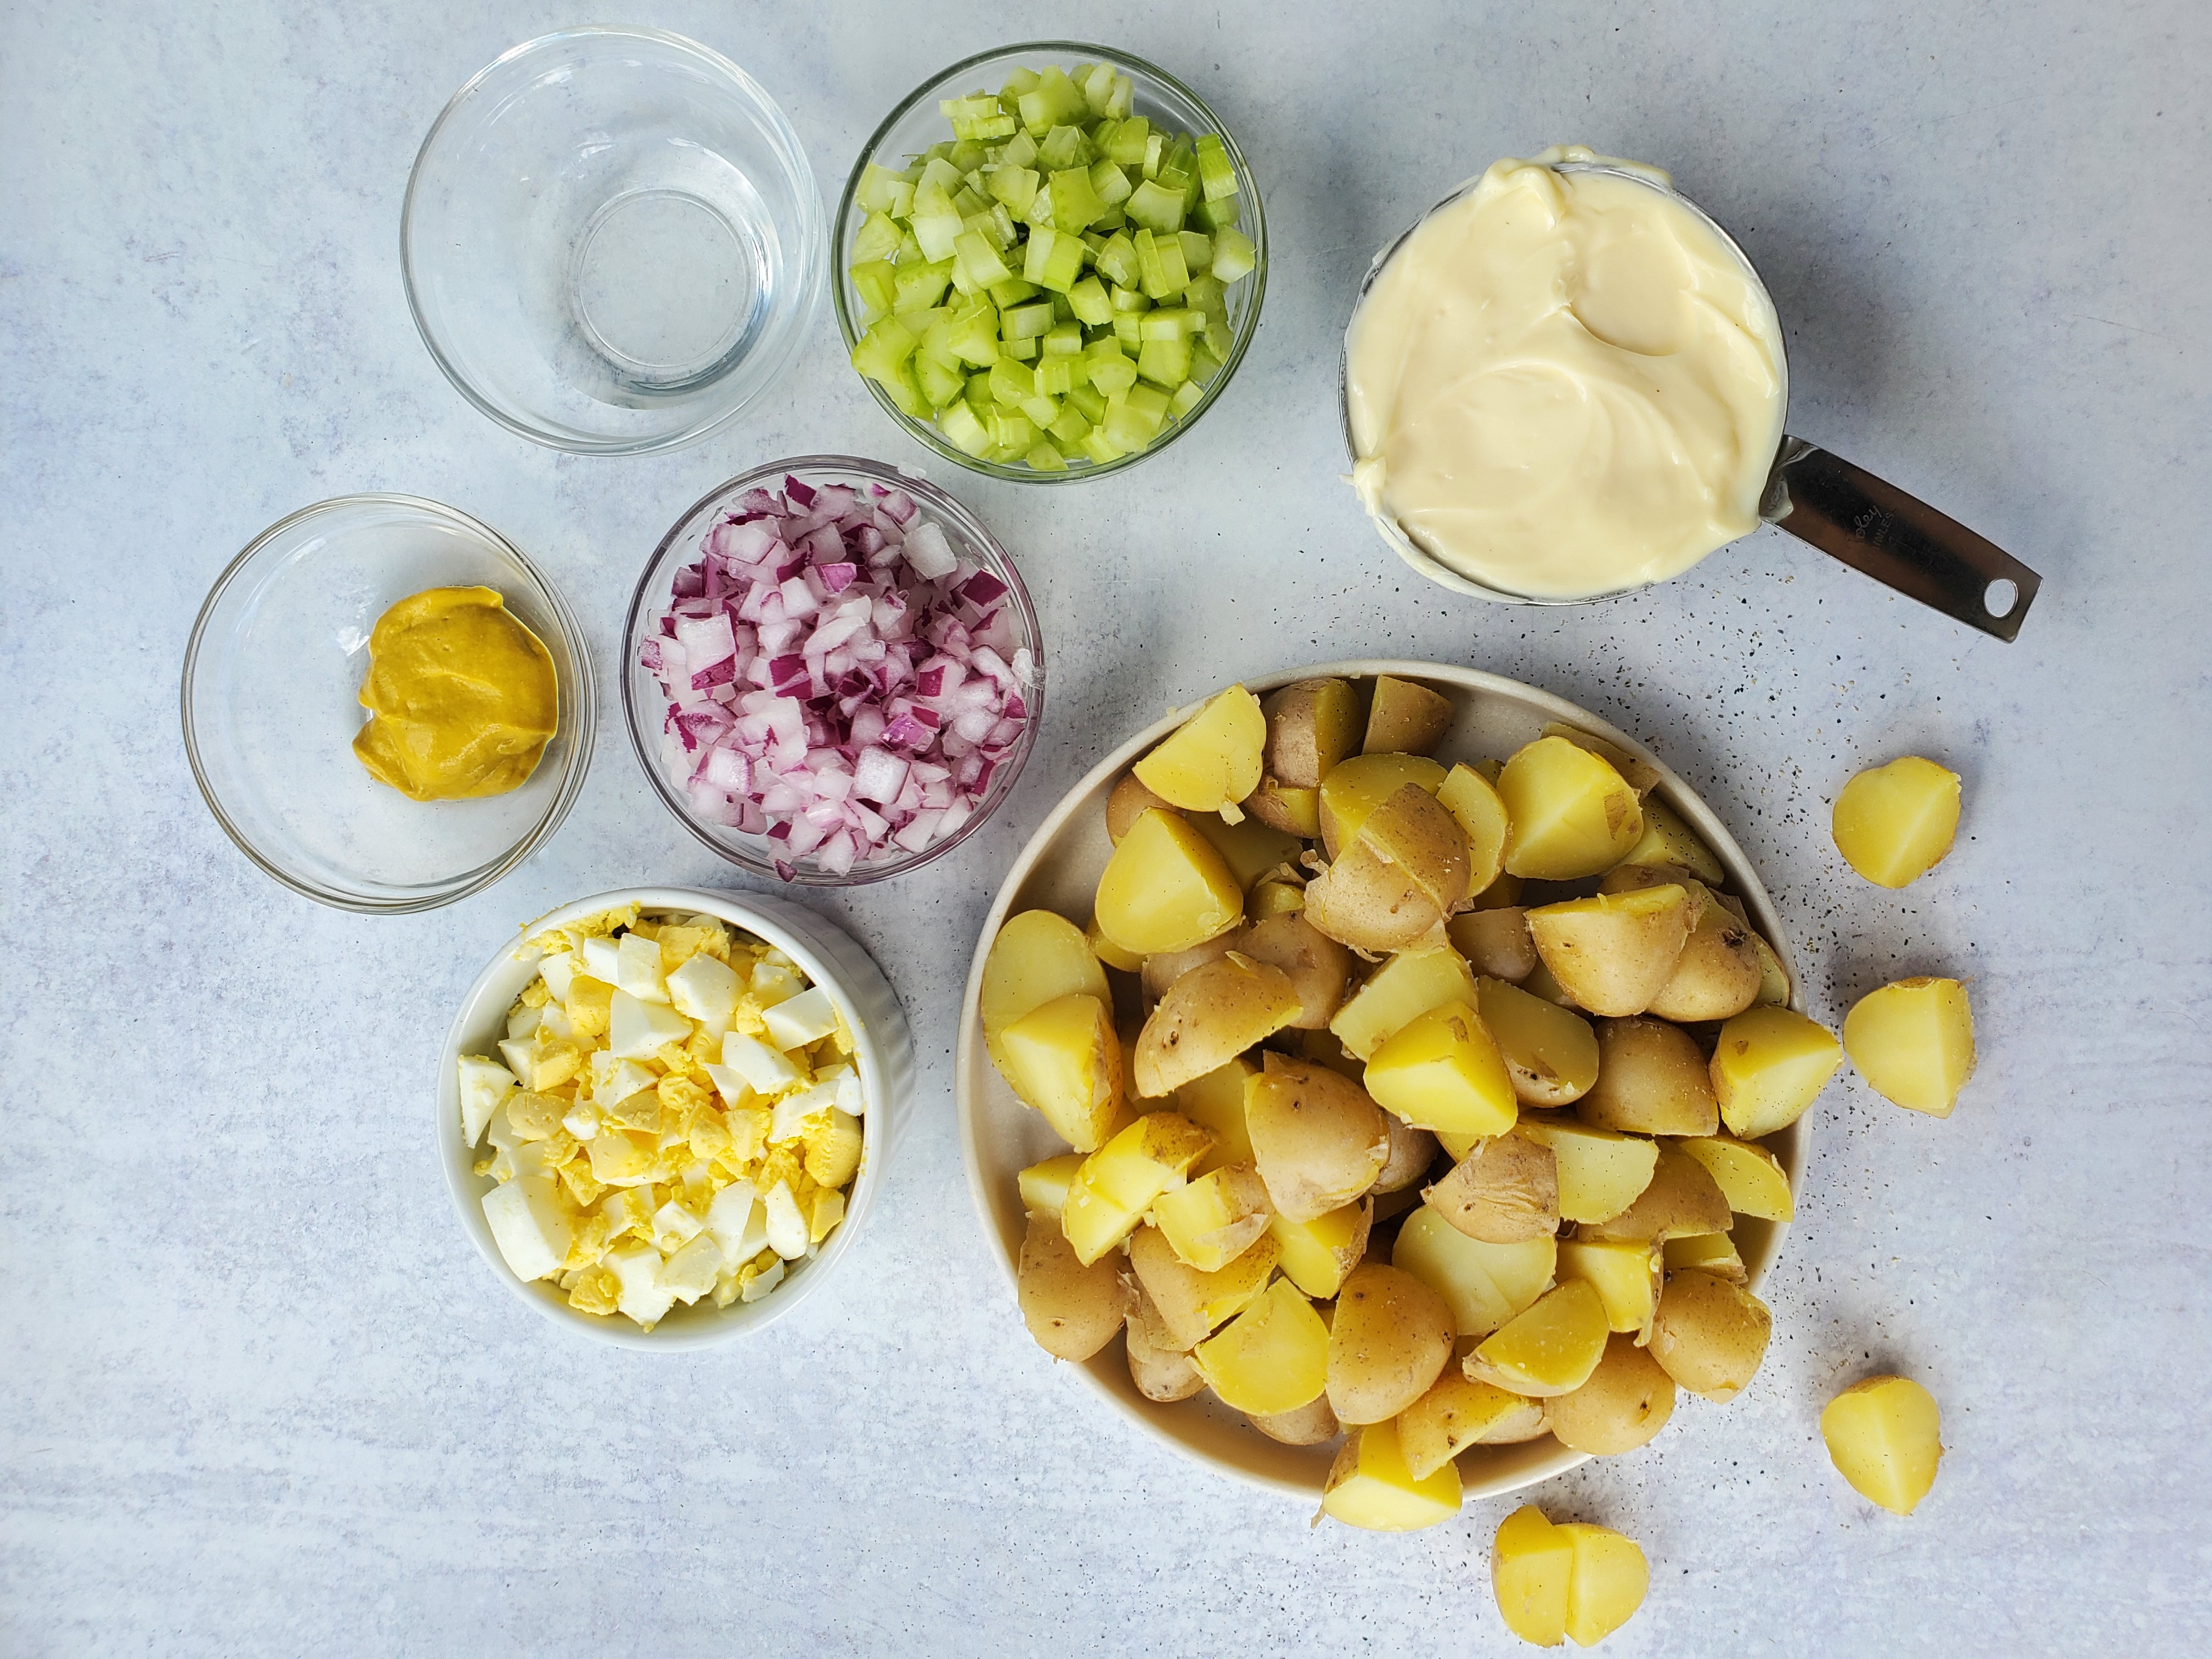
column 1311, row 727
column 1505, row 1191
column 1627, row 1400
column 1405, row 718
column 1363, row 901
column 1310, row 1425
column 1680, row 1201
column 1412, row 1151
column 1318, row 1137
column 1164, row 967
column 1161, row 1372
column 1615, row 952
column 1652, row 1080
column 1718, row 974
column 1126, row 803
column 1495, row 943
column 1709, row 1335
column 1391, row 1338
column 1319, row 968
column 1070, row 1310
column 1207, row 1018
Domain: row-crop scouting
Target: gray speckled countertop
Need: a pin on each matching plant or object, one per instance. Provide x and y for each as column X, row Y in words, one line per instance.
column 262, row 1396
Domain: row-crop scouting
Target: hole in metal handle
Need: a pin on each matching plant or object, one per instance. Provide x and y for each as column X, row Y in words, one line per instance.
column 2000, row 596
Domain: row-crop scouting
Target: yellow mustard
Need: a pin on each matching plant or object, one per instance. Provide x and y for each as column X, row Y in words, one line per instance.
column 460, row 696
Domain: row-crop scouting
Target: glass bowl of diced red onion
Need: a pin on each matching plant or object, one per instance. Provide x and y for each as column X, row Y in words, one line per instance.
column 833, row 672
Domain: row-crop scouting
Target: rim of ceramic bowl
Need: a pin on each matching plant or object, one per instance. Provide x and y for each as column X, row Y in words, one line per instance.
column 975, row 537
column 925, row 432
column 583, row 730
column 884, row 1059
column 790, row 151
column 1393, row 533
column 969, row 1060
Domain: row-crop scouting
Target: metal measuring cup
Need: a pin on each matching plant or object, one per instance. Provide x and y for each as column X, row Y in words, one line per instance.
column 1820, row 498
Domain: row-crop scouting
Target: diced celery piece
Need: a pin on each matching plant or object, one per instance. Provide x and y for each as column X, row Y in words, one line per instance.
column 979, row 259
column 966, row 154
column 1041, row 409
column 967, row 202
column 1160, row 264
column 985, row 225
column 939, row 384
column 1207, row 294
column 1110, row 184
column 1087, row 299
column 1065, row 147
column 1156, row 145
column 976, row 394
column 1154, row 207
column 1003, row 221
column 963, row 284
column 1063, row 339
column 1217, row 176
column 876, row 281
column 1126, row 427
column 937, row 342
column 906, row 391
column 1165, row 362
column 1112, row 375
column 1217, row 339
column 1101, row 448
column 1089, row 402
column 1204, row 365
column 1055, row 374
column 878, row 238
column 1098, row 88
column 939, row 176
column 884, row 191
column 1043, row 458
column 1011, row 429
column 1218, row 215
column 1074, row 203
column 1129, row 329
column 977, row 340
column 1025, row 349
column 1124, row 98
column 921, row 287
column 1152, row 406
column 958, row 423
column 1071, row 424
column 909, row 251
column 1187, row 397
column 1024, row 322
column 1019, row 151
column 879, row 352
column 1019, row 82
column 1169, row 323
column 1053, row 259
column 1234, row 256
column 1197, row 251
column 1178, row 169
column 1053, row 101
column 1011, row 382
column 1117, row 261
column 979, row 117
column 1113, row 219
column 1012, row 292
column 1015, row 187
column 1122, row 142
column 937, row 233
column 1127, row 299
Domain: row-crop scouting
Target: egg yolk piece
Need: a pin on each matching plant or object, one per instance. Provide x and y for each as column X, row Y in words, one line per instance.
column 461, row 697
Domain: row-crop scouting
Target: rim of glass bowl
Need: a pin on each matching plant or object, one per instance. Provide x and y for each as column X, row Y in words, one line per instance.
column 842, row 233
column 789, row 149
column 975, row 539
column 584, row 717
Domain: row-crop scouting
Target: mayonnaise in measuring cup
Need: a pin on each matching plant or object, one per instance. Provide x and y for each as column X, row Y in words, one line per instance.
column 1561, row 385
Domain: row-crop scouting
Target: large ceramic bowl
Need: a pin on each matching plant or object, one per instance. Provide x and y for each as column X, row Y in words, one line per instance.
column 1059, row 870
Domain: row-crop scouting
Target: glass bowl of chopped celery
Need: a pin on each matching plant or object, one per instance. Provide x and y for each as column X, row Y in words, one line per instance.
column 1050, row 260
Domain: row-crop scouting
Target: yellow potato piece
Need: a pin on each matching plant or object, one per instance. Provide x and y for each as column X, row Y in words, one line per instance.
column 1768, row 1066
column 1071, row 1308
column 1398, row 993
column 1390, row 1337
column 1317, row 1137
column 1551, row 1053
column 1651, row 1080
column 1496, row 943
column 1354, row 788
column 1551, row 1348
column 1484, row 1285
column 1751, row 1178
column 1112, row 955
column 1473, row 800
column 1271, row 1358
column 1316, row 1255
column 1250, row 849
column 1667, row 840
column 1625, row 1273
column 1712, row 1253
column 1913, row 1043
column 1405, row 717
column 1503, row 1191
column 1624, row 1402
column 1370, row 903
column 1531, row 1568
column 1279, row 807
column 1894, row 823
column 1570, row 813
column 1601, row 1172
column 1412, row 831
column 1710, row 1334
column 1683, row 1200
column 1369, row 1485
column 1215, row 1101
column 1885, row 1437
column 1271, row 899
column 1212, row 761
column 1609, row 1582
column 1065, row 1060
column 1165, row 888
column 1443, row 1071
column 1125, row 802
column 1037, row 957
column 1044, row 1186
column 1209, row 1016
column 1119, row 1182
column 1191, row 1303
column 1613, row 952
column 1312, row 727
column 1457, row 1413
column 1212, row 1220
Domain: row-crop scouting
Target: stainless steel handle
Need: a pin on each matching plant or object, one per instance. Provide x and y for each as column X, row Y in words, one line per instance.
column 1904, row 543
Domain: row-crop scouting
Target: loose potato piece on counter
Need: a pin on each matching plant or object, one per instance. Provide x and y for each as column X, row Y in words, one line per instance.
column 1532, row 1565
column 1751, row 1178
column 1496, row 943
column 1667, row 840
column 1209, row 1016
column 1718, row 974
column 1044, row 1186
column 1112, row 955
column 1293, row 811
column 1353, row 789
column 1163, row 1372
column 1571, row 813
column 1885, row 1436
column 1071, row 1307
column 1317, row 1254
column 1311, row 1424
column 1398, row 993
column 1639, row 774
column 1215, row 1101
column 1212, row 761
column 1275, row 897
column 1768, row 1066
column 1164, row 967
column 1317, row 1136
column 1624, row 1403
column 1037, row 957
column 1318, row 967
column 1709, row 1335
column 1651, row 1080
column 1505, row 1191
column 1271, row 1358
column 1713, row 1252
column 1550, row 1053
column 1118, row 1182
column 1369, row 1485
column 1405, row 718
column 1626, row 1275
column 1125, row 802
column 1313, row 727
column 1457, row 1413
column 1250, row 849
column 1391, row 1338
column 1894, row 823
column 1601, row 1173
column 1065, row 1060
column 1613, row 952
column 1443, row 1071
column 1473, row 800
column 1165, row 888
column 1549, row 1349
column 1913, row 1043
column 1682, row 1198
column 1484, row 1285
column 1412, row 831
column 1610, row 1582
column 1210, row 1221
column 1192, row 1303
column 1412, row 1151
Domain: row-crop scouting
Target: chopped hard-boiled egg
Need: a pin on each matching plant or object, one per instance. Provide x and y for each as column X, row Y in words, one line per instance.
column 636, row 1172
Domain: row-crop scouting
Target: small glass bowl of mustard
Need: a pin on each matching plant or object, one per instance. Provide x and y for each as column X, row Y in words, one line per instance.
column 272, row 705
